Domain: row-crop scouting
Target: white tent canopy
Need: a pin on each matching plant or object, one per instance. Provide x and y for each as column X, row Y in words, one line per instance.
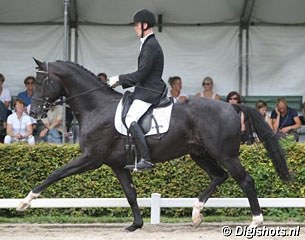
column 253, row 46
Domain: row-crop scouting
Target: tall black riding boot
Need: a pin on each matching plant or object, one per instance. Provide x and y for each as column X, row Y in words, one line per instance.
column 142, row 148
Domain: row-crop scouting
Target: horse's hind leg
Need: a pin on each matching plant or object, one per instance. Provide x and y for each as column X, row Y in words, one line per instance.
column 125, row 179
column 81, row 164
column 217, row 175
column 246, row 182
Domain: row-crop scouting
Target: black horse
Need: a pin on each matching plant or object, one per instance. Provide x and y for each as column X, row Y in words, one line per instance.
column 208, row 130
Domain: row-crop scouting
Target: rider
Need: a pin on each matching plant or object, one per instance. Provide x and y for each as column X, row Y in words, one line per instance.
column 147, row 80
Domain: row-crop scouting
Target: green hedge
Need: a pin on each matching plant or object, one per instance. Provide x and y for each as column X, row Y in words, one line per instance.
column 23, row 167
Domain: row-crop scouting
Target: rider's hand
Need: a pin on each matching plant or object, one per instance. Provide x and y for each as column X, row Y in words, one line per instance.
column 114, row 81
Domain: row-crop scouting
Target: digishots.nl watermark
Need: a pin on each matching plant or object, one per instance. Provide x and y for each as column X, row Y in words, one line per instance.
column 244, row 231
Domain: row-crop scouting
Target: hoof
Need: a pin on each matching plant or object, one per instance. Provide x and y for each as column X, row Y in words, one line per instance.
column 22, row 206
column 133, row 227
column 26, row 202
column 197, row 220
column 256, row 221
column 197, row 217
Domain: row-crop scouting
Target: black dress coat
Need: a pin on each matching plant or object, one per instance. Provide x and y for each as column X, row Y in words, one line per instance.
column 148, row 78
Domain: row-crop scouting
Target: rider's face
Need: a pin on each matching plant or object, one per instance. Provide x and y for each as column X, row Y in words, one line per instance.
column 138, row 29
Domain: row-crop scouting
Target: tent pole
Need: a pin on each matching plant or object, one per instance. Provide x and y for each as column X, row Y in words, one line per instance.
column 244, row 26
column 66, row 35
column 240, row 84
column 65, row 58
column 76, row 44
column 247, row 62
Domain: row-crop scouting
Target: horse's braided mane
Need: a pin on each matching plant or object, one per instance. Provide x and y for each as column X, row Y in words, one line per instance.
column 73, row 64
column 82, row 67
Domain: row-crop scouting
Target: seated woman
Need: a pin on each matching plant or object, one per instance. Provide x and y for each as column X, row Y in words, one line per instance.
column 285, row 120
column 262, row 107
column 175, row 92
column 5, row 101
column 19, row 125
column 246, row 136
column 208, row 92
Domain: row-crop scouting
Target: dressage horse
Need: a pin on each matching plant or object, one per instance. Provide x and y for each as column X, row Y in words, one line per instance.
column 207, row 130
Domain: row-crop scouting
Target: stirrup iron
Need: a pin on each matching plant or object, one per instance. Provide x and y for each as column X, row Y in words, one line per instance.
column 129, row 167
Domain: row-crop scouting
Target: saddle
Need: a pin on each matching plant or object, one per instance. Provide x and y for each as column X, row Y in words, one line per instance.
column 154, row 121
column 145, row 122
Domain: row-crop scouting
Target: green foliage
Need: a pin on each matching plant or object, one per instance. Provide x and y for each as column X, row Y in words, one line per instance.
column 24, row 166
column 288, row 142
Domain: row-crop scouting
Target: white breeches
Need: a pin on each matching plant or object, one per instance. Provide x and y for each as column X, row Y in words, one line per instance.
column 8, row 139
column 136, row 111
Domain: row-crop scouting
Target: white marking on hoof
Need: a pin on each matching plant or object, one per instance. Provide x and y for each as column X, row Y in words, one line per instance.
column 26, row 202
column 256, row 221
column 197, row 217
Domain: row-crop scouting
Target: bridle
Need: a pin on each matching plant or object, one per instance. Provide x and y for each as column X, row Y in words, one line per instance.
column 46, row 103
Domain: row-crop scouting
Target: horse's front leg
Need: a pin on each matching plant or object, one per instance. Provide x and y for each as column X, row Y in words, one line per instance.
column 125, row 179
column 81, row 164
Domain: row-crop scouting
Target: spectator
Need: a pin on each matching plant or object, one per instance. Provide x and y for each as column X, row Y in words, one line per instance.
column 3, row 118
column 302, row 117
column 175, row 92
column 262, row 107
column 5, row 100
column 208, row 92
column 53, row 127
column 103, row 77
column 285, row 120
column 246, row 132
column 3, row 115
column 19, row 125
column 26, row 96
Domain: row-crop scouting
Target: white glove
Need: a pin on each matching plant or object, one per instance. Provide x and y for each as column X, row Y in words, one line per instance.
column 113, row 81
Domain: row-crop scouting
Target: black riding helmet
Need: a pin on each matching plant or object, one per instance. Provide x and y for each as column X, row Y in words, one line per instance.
column 144, row 16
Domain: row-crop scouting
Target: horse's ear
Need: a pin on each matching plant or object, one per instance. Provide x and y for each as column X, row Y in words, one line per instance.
column 39, row 63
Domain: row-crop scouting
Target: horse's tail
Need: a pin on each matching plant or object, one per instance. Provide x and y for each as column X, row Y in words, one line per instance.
column 269, row 140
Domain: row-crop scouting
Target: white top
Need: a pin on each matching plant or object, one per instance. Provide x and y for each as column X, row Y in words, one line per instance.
column 213, row 96
column 176, row 98
column 19, row 125
column 5, row 95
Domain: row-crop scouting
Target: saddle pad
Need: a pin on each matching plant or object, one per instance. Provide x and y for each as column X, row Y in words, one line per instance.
column 162, row 116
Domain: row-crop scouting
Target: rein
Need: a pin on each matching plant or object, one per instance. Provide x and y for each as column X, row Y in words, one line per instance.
column 79, row 94
column 56, row 102
column 47, row 104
